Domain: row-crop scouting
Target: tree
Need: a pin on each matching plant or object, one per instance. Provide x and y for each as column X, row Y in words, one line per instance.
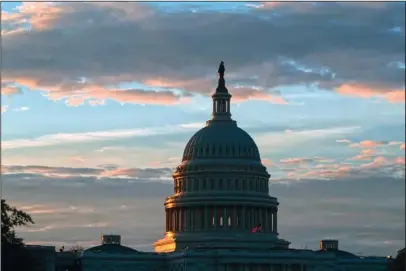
column 14, row 256
column 11, row 217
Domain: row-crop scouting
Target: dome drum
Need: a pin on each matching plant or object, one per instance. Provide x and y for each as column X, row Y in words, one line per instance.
column 224, row 201
column 217, row 167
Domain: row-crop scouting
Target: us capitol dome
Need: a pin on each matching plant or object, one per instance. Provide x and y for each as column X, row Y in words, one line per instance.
column 221, row 194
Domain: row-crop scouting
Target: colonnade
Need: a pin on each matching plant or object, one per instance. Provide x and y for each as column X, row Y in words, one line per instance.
column 180, row 219
column 221, row 106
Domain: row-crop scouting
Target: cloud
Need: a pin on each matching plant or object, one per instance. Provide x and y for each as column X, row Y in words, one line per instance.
column 347, row 141
column 104, row 171
column 368, row 144
column 296, row 161
column 98, row 204
column 4, row 109
column 392, row 95
column 379, row 166
column 366, row 154
column 66, row 138
column 22, row 108
column 402, row 146
column 7, row 89
column 73, row 57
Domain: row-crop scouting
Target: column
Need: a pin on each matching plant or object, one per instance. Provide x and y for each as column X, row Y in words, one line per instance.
column 225, row 219
column 199, row 218
column 235, row 218
column 215, row 216
column 276, row 222
column 173, row 219
column 167, row 219
column 266, row 222
column 206, row 218
column 243, row 224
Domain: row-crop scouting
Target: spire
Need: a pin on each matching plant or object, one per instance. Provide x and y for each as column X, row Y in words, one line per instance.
column 221, row 98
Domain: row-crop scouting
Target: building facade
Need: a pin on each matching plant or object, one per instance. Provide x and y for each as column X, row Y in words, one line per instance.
column 221, row 216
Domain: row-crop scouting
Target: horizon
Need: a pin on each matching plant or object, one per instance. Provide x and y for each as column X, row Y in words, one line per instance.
column 100, row 99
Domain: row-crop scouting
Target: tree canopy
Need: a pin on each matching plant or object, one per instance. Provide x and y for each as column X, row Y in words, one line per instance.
column 14, row 255
column 11, row 217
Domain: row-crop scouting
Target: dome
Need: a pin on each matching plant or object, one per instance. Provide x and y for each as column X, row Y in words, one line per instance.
column 221, row 140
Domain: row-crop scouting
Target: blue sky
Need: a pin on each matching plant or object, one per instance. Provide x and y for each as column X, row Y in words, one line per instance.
column 104, row 96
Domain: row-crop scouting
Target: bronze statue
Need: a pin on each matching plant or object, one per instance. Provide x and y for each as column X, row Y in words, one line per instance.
column 221, row 69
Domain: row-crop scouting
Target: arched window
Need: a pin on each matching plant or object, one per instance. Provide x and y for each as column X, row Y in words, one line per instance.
column 221, row 221
column 213, row 221
column 229, row 221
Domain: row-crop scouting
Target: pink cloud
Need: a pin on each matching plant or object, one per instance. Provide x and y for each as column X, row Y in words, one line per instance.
column 402, row 146
column 9, row 90
column 400, row 161
column 120, row 172
column 366, row 154
column 266, row 162
column 377, row 162
column 243, row 94
column 368, row 144
column 362, row 91
column 77, row 93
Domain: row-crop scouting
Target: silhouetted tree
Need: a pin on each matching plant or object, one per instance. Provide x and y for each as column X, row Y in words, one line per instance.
column 14, row 256
column 398, row 263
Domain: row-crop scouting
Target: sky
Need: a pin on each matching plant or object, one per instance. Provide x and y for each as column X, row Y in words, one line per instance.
column 99, row 100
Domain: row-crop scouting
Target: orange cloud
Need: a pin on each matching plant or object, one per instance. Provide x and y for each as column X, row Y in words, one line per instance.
column 203, row 86
column 9, row 90
column 367, row 144
column 377, row 162
column 243, row 94
column 266, row 162
column 402, row 146
column 120, row 172
column 400, row 161
column 77, row 93
column 391, row 95
column 366, row 154
column 39, row 16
